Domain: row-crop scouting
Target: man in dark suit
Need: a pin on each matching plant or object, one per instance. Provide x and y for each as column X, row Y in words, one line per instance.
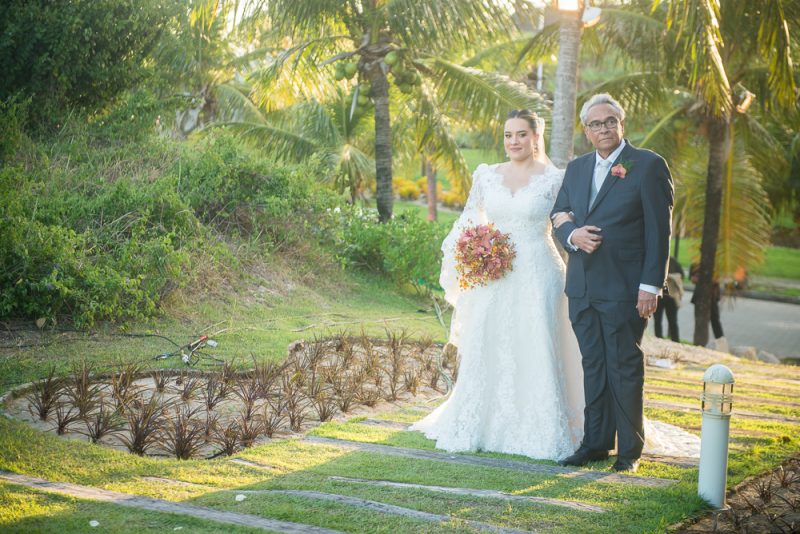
column 613, row 215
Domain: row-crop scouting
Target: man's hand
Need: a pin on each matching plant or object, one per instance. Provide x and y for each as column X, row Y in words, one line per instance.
column 561, row 217
column 647, row 303
column 587, row 238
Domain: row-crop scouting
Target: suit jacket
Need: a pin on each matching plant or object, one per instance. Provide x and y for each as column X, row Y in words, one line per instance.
column 634, row 214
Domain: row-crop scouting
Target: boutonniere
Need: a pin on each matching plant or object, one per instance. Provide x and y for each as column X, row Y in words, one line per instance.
column 621, row 169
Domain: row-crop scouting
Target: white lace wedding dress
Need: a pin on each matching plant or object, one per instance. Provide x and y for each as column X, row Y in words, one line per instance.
column 520, row 382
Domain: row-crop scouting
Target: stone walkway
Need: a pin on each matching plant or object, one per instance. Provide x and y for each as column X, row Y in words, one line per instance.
column 159, row 505
column 541, row 469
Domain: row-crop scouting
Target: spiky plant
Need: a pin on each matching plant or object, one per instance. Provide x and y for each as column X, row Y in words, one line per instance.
column 104, row 422
column 160, row 377
column 145, row 423
column 66, row 414
column 82, row 390
column 227, row 437
column 123, row 388
column 189, row 386
column 272, row 416
column 45, row 393
column 294, row 400
column 249, row 392
column 183, row 433
column 214, row 391
column 266, row 375
column 249, row 429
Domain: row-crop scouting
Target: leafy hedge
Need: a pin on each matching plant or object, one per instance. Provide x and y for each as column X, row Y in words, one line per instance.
column 406, row 249
column 94, row 232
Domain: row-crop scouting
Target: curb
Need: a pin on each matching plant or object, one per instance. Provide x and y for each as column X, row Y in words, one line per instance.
column 756, row 295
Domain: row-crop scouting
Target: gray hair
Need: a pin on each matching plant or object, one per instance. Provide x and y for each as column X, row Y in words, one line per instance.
column 601, row 98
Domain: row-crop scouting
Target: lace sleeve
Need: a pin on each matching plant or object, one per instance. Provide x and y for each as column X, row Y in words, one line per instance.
column 557, row 177
column 473, row 214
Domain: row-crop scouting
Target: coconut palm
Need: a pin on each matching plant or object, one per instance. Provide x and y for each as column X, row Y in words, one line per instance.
column 403, row 41
column 723, row 55
column 690, row 66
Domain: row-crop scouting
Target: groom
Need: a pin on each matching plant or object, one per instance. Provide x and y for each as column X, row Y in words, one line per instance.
column 613, row 215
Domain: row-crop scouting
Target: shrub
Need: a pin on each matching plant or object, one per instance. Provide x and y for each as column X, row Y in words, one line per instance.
column 422, row 183
column 406, row 189
column 452, row 199
column 406, row 249
column 80, row 53
column 95, row 232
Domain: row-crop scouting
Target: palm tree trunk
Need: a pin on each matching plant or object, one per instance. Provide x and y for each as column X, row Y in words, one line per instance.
column 384, row 196
column 430, row 174
column 569, row 43
column 719, row 141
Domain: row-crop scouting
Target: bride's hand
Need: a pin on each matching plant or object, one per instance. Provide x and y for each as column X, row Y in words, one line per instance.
column 562, row 217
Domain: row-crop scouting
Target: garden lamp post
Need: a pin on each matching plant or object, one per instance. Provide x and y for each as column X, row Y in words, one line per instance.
column 717, row 402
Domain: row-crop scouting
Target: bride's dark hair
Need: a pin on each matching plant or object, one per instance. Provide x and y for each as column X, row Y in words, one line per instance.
column 533, row 120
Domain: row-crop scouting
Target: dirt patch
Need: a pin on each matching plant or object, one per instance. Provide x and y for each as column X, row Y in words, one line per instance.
column 187, row 413
column 769, row 503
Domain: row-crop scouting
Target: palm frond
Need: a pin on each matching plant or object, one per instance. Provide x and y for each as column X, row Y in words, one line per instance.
column 434, row 138
column 638, row 92
column 303, row 18
column 295, row 74
column 774, row 44
column 441, row 25
column 699, row 47
column 540, row 45
column 235, row 104
column 481, row 97
column 282, row 144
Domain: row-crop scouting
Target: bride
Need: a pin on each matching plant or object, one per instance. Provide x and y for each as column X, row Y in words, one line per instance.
column 520, row 382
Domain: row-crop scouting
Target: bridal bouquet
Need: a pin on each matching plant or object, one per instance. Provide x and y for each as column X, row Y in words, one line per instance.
column 483, row 253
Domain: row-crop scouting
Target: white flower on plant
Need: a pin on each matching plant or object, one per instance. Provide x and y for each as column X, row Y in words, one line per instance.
column 240, row 497
column 337, row 209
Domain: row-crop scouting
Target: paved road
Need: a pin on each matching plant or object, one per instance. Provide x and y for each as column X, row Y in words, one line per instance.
column 770, row 326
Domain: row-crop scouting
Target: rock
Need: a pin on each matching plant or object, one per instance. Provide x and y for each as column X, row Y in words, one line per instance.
column 768, row 357
column 748, row 353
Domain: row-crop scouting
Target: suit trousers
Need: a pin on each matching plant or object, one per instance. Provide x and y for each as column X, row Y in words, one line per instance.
column 609, row 335
column 670, row 306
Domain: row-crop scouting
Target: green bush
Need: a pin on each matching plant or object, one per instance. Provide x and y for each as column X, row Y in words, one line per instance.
column 237, row 192
column 406, row 249
column 94, row 232
column 79, row 53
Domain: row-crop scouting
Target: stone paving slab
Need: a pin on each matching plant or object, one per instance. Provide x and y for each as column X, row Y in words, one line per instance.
column 492, row 494
column 541, row 469
column 680, row 461
column 159, row 505
column 736, row 413
column 683, row 393
column 663, row 374
column 384, row 508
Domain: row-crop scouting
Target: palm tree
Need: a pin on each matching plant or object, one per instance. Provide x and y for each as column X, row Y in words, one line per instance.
column 564, row 97
column 410, row 42
column 711, row 50
column 341, row 140
column 712, row 55
column 196, row 55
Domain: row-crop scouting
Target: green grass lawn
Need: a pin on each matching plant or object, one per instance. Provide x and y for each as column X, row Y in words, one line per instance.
column 779, row 262
column 258, row 318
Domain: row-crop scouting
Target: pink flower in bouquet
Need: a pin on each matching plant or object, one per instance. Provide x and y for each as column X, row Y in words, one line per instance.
column 483, row 253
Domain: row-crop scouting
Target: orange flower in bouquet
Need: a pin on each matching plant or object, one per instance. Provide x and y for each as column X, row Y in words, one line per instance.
column 483, row 254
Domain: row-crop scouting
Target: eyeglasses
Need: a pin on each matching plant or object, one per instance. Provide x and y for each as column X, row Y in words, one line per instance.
column 609, row 123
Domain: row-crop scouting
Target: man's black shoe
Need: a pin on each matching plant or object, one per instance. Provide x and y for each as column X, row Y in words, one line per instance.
column 584, row 456
column 624, row 464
